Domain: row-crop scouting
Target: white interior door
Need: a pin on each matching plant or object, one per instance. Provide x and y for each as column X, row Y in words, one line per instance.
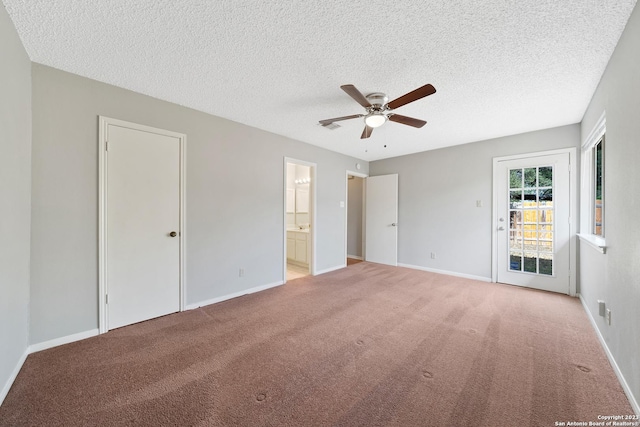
column 533, row 232
column 381, row 218
column 142, row 215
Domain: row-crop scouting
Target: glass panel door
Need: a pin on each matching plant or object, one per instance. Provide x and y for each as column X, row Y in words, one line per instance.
column 532, row 222
column 531, row 216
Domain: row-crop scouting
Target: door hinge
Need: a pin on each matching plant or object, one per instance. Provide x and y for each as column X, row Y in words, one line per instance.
column 106, row 298
column 106, row 146
column 569, row 167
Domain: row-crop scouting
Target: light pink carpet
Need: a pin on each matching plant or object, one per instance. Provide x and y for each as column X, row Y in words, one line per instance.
column 368, row 345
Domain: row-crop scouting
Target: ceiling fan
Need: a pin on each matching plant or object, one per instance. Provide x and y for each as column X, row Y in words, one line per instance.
column 379, row 110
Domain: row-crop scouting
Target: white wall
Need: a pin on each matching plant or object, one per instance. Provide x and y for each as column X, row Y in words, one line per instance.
column 354, row 216
column 437, row 197
column 235, row 199
column 615, row 276
column 15, row 201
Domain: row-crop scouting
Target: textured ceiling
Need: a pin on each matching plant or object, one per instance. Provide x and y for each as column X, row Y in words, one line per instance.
column 500, row 67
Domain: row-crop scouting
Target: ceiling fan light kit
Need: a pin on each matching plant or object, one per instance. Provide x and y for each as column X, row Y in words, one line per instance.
column 379, row 110
column 375, row 119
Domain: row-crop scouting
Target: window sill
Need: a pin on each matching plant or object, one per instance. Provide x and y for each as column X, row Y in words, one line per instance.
column 595, row 241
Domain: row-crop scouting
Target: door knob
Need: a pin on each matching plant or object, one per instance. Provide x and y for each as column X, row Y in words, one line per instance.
column 393, row 224
column 500, row 228
column 173, row 234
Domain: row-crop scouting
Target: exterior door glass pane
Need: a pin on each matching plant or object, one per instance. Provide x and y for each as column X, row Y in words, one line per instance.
column 515, row 178
column 515, row 200
column 530, row 177
column 531, row 216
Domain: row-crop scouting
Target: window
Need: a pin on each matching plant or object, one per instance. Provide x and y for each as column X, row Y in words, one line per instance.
column 592, row 204
column 598, row 188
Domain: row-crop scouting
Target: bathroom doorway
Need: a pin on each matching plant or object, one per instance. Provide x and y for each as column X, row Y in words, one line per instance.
column 299, row 216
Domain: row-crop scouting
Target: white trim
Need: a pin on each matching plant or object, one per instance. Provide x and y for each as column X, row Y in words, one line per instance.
column 313, row 190
column 573, row 211
column 13, row 376
column 599, row 129
column 356, row 174
column 34, row 348
column 364, row 176
column 330, row 269
column 595, row 241
column 587, row 188
column 102, row 227
column 234, row 295
column 612, row 360
column 448, row 273
column 355, row 257
column 536, row 154
column 103, row 128
column 183, row 221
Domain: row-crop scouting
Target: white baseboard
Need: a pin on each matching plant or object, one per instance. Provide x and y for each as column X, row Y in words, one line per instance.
column 355, row 257
column 233, row 295
column 14, row 374
column 330, row 269
column 34, row 348
column 612, row 361
column 448, row 273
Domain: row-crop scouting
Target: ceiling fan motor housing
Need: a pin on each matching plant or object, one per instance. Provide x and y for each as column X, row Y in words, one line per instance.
column 377, row 100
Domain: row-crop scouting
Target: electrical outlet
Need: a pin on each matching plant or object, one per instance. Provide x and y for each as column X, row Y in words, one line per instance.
column 433, row 255
column 241, row 272
column 608, row 317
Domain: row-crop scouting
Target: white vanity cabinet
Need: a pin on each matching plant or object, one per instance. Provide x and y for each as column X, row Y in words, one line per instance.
column 291, row 245
column 298, row 249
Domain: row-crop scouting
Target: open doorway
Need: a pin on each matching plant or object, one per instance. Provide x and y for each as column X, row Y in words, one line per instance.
column 299, row 217
column 355, row 244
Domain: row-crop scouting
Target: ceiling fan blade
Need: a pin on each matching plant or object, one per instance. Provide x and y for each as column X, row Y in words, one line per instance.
column 414, row 95
column 410, row 121
column 366, row 133
column 355, row 94
column 337, row 119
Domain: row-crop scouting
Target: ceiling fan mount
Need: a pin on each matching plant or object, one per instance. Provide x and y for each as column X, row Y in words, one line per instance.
column 378, row 109
column 377, row 99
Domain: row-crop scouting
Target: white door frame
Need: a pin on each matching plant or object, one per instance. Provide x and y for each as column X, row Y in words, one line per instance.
column 312, row 214
column 573, row 209
column 364, row 176
column 103, row 138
